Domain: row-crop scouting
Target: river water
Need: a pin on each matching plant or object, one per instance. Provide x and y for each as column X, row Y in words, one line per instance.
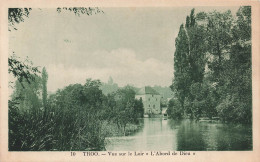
column 164, row 135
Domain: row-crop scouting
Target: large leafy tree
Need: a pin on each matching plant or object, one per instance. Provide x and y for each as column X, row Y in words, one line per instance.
column 212, row 65
column 236, row 104
column 126, row 109
column 189, row 61
column 182, row 79
column 79, row 113
column 197, row 53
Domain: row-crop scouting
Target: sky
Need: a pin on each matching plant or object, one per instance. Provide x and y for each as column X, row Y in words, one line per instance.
column 132, row 45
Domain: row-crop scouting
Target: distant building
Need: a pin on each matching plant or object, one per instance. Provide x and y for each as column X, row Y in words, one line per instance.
column 150, row 99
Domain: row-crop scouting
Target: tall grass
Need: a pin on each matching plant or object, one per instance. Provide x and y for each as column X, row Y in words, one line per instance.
column 59, row 130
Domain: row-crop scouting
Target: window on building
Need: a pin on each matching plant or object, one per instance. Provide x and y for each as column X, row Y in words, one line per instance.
column 156, row 99
column 149, row 105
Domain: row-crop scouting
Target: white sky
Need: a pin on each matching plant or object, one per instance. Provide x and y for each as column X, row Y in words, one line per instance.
column 132, row 45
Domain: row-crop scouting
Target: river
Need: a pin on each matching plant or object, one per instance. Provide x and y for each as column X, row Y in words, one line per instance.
column 164, row 135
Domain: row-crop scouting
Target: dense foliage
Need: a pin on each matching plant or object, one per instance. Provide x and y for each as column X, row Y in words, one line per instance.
column 212, row 67
column 76, row 117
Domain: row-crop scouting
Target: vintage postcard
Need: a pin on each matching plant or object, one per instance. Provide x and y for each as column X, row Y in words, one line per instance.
column 129, row 80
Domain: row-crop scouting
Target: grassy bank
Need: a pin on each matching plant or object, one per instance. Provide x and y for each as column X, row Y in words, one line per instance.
column 112, row 130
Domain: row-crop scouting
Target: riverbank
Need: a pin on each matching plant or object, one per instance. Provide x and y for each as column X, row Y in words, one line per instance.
column 112, row 130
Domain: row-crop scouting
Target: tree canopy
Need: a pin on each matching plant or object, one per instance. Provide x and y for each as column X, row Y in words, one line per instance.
column 212, row 66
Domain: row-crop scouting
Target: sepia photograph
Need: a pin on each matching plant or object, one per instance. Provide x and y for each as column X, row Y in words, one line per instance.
column 130, row 79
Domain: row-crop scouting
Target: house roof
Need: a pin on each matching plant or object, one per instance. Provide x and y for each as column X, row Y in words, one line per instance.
column 147, row 90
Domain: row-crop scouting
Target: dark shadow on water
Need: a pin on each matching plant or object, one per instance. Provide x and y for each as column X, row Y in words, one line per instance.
column 233, row 137
column 202, row 136
column 190, row 136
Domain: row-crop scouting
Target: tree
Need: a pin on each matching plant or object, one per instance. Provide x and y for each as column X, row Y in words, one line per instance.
column 181, row 80
column 93, row 96
column 219, row 42
column 26, row 95
column 236, row 105
column 44, row 89
column 79, row 114
column 127, row 108
column 212, row 66
column 196, row 32
column 16, row 15
column 138, row 108
column 189, row 60
column 22, row 70
column 174, row 109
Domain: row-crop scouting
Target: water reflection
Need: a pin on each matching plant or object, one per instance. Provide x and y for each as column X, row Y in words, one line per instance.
column 190, row 136
column 230, row 137
column 158, row 134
